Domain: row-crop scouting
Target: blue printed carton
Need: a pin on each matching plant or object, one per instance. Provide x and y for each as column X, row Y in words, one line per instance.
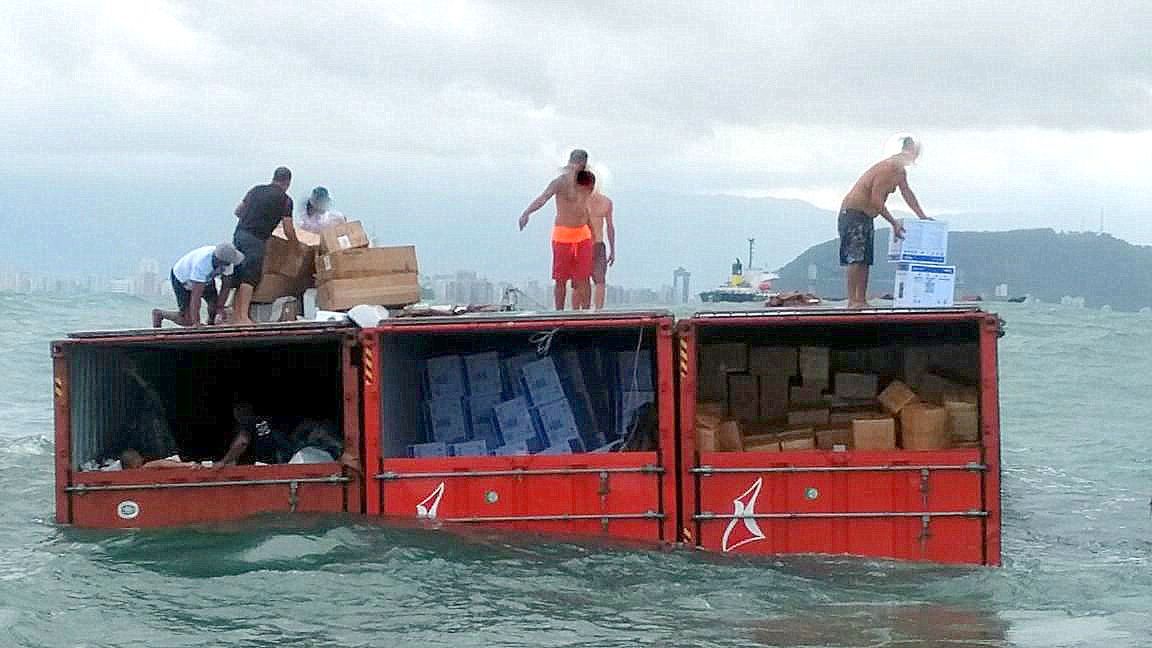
column 469, row 449
column 448, row 420
column 514, row 421
column 542, row 381
column 557, row 421
column 445, row 377
column 484, row 375
column 428, row 450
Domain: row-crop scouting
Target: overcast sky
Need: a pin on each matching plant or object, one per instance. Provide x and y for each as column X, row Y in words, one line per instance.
column 1031, row 114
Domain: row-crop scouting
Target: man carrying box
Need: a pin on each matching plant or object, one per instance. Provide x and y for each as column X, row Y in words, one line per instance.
column 193, row 279
column 263, row 208
column 861, row 206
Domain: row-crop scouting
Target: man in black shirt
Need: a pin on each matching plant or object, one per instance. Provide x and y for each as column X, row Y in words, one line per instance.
column 263, row 208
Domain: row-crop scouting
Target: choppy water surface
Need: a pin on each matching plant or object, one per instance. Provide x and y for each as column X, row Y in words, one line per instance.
column 1077, row 406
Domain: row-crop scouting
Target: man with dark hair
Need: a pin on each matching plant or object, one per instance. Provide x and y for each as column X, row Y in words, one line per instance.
column 572, row 248
column 603, row 229
column 863, row 203
column 263, row 207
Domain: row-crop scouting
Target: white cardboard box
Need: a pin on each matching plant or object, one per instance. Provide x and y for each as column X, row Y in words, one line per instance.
column 921, row 285
column 925, row 241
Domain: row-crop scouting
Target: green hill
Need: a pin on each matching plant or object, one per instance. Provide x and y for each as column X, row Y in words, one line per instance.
column 1039, row 262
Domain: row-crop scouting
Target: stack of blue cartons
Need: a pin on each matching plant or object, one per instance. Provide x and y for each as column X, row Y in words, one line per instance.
column 558, row 425
column 447, row 419
column 517, row 428
column 635, row 386
column 485, row 391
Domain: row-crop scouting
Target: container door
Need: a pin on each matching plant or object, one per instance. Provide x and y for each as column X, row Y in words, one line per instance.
column 888, row 505
column 609, row 495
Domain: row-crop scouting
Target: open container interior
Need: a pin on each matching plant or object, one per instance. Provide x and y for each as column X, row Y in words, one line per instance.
column 841, row 387
column 493, row 391
column 179, row 397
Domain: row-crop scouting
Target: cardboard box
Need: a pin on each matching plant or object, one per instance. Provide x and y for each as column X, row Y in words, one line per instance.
column 542, row 381
column 513, row 449
column 283, row 257
column 762, row 443
column 557, row 421
column 709, row 416
column 896, row 396
column 874, row 434
column 857, row 385
column 937, row 389
column 729, row 437
column 728, row 357
column 805, row 395
column 345, row 236
column 395, row 290
column 924, row 427
column 815, row 366
column 448, row 420
column 275, row 286
column 445, row 376
column 924, row 286
column 809, row 417
column 478, row 448
column 838, row 439
column 846, row 416
column 515, row 423
column 743, row 396
column 426, row 450
column 366, row 262
column 567, row 445
column 774, row 395
column 483, row 371
column 797, row 441
column 925, row 241
column 772, row 361
column 480, row 414
column 963, row 421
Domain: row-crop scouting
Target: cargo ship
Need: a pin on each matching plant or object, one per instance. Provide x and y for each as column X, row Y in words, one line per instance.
column 871, row 433
column 745, row 284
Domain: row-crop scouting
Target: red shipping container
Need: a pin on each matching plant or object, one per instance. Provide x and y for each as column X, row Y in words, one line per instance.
column 940, row 506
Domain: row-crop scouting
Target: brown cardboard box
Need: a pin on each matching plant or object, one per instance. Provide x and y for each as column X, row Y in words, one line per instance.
column 937, row 389
column 366, row 262
column 815, row 366
column 857, row 386
column 773, row 396
column 743, row 396
column 845, row 417
column 283, row 257
column 963, row 421
column 797, row 441
column 924, row 427
column 709, row 416
column 762, row 443
column 345, row 236
column 772, row 361
column 831, row 438
column 713, row 364
column 805, row 395
column 874, row 433
column 384, row 290
column 808, row 417
column 895, row 396
column 275, row 286
column 729, row 437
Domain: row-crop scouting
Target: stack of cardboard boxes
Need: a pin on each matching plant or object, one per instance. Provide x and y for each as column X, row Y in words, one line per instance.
column 922, row 279
column 775, row 399
column 287, row 269
column 493, row 404
column 349, row 272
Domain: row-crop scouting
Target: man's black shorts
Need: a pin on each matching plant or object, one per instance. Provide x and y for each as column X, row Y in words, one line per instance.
column 856, row 233
column 184, row 296
column 252, row 247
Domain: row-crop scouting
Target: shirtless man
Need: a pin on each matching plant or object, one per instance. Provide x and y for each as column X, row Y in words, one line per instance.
column 861, row 206
column 571, row 237
column 600, row 210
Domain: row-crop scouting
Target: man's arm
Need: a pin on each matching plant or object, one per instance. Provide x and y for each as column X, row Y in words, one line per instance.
column 192, row 318
column 897, row 228
column 910, row 197
column 235, row 449
column 611, row 233
column 289, row 229
column 540, row 201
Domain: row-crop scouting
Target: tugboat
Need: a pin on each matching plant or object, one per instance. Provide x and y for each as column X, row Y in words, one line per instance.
column 745, row 285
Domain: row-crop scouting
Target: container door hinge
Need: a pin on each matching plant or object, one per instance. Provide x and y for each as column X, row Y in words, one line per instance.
column 293, row 495
column 925, row 486
column 603, row 492
column 925, row 534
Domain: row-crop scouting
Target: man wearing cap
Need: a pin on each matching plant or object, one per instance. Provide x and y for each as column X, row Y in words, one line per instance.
column 263, row 208
column 193, row 279
column 572, row 249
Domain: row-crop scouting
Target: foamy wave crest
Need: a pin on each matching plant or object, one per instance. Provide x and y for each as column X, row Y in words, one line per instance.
column 36, row 445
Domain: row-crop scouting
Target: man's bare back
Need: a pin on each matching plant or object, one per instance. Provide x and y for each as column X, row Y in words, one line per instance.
column 571, row 204
column 599, row 209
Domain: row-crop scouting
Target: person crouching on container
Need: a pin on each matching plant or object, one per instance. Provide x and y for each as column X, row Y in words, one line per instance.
column 318, row 212
column 194, row 279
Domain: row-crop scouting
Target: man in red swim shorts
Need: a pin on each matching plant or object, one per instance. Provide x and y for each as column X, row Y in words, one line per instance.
column 572, row 243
